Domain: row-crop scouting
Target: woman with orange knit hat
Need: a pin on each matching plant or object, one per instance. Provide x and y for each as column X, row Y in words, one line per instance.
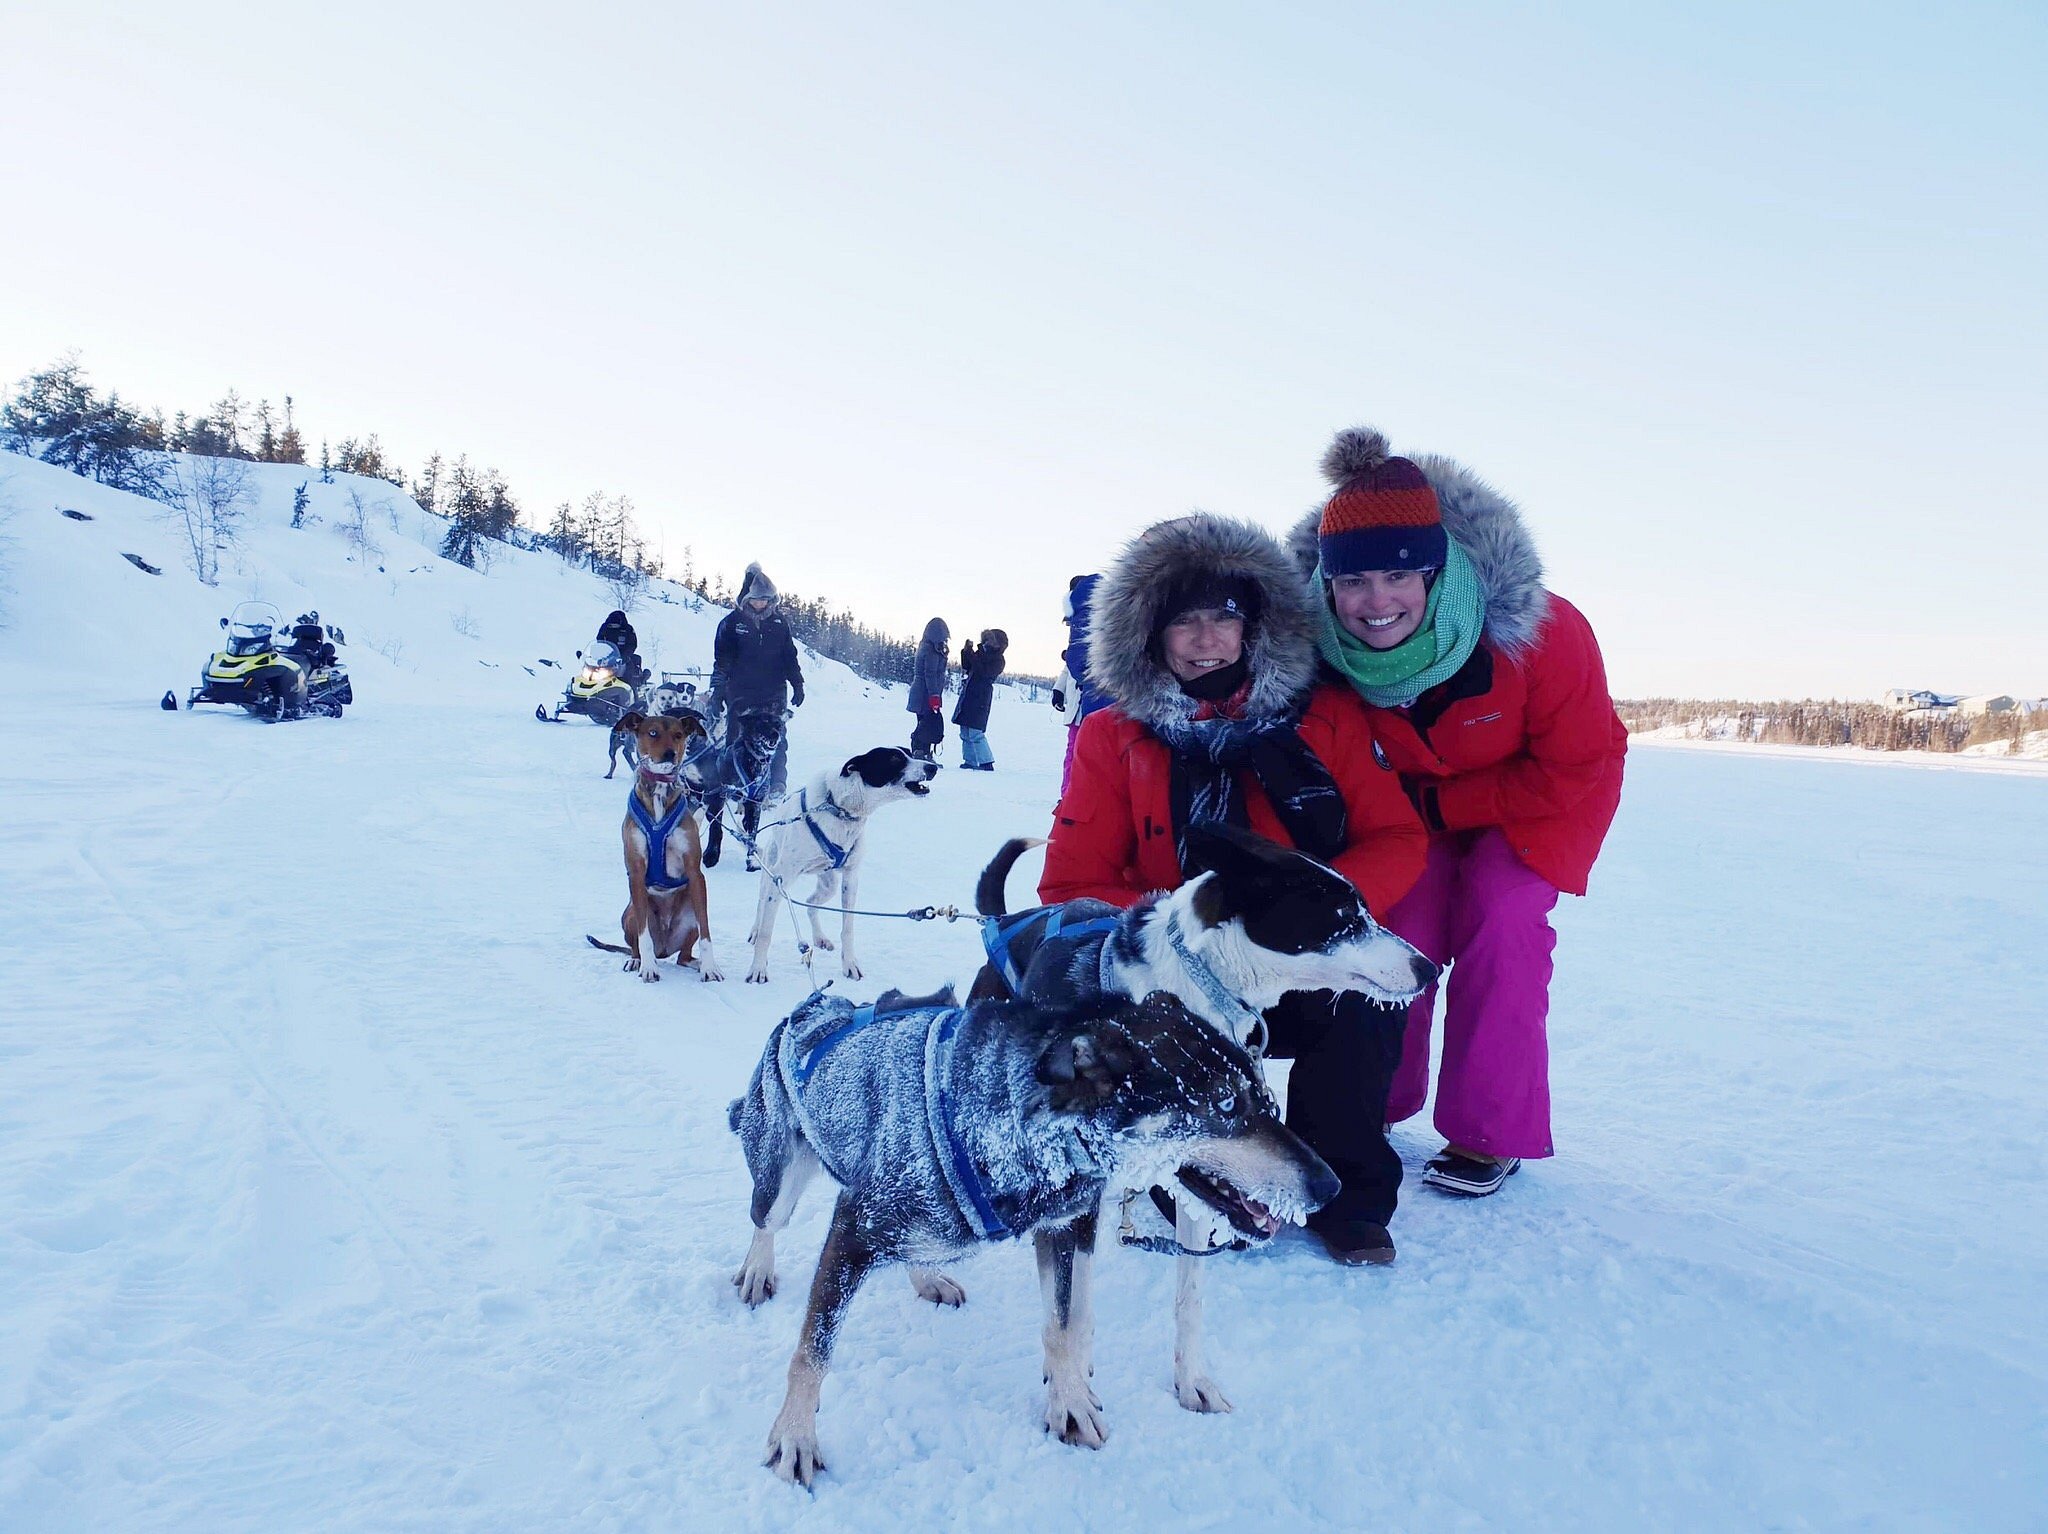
column 1489, row 695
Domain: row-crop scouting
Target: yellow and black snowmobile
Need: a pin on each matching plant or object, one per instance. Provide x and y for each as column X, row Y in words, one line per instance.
column 272, row 677
column 603, row 689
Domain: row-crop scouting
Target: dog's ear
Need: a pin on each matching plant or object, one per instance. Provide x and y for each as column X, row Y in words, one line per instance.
column 1212, row 900
column 633, row 721
column 1083, row 1070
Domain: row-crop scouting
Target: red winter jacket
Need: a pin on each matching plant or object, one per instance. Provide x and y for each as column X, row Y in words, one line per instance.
column 1530, row 744
column 1112, row 833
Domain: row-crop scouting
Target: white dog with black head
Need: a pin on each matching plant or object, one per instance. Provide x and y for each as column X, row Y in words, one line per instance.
column 821, row 834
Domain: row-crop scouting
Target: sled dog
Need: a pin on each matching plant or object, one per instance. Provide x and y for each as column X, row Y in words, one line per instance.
column 1256, row 921
column 823, row 835
column 948, row 1126
column 666, row 913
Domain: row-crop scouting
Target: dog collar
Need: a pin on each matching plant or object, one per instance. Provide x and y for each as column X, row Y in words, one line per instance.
column 1245, row 1019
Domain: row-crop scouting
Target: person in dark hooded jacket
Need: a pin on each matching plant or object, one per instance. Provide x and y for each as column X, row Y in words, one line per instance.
column 928, row 691
column 755, row 677
column 1489, row 695
column 617, row 632
column 981, row 667
column 1203, row 640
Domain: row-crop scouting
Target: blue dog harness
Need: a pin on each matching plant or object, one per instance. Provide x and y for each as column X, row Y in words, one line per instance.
column 962, row 1178
column 657, row 833
column 835, row 854
column 1001, row 935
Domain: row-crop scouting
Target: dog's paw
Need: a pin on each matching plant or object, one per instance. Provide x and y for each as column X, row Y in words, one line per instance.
column 756, row 1285
column 935, row 1286
column 1197, row 1392
column 709, row 972
column 850, row 969
column 793, row 1452
column 1074, row 1415
column 651, row 973
column 631, row 966
column 823, row 944
column 757, row 976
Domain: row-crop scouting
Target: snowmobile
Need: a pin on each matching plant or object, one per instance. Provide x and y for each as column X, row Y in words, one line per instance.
column 599, row 690
column 269, row 677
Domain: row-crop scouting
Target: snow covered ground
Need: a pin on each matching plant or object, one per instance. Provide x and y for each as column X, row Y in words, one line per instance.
column 343, row 1187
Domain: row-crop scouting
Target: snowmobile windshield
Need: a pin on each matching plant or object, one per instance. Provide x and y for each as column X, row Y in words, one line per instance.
column 605, row 657
column 251, row 626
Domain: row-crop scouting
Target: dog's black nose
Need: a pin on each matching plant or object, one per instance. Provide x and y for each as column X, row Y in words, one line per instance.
column 1323, row 1186
column 1425, row 972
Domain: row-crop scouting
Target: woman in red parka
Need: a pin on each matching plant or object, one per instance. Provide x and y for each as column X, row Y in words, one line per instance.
column 1490, row 697
column 1202, row 636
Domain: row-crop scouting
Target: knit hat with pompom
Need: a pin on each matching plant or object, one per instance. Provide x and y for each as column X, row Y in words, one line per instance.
column 1383, row 515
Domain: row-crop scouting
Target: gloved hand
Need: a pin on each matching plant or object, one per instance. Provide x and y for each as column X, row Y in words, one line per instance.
column 932, row 703
column 1059, row 700
column 796, row 697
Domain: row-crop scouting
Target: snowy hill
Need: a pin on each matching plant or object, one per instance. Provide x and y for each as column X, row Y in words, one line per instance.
column 343, row 1186
column 420, row 627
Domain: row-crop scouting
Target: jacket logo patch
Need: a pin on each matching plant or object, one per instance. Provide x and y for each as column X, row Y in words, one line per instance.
column 1379, row 754
column 1485, row 718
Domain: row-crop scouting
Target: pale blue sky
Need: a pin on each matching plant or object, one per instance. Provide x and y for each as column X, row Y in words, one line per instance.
column 928, row 306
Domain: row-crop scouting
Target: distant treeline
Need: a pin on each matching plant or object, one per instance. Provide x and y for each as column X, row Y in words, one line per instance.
column 56, row 415
column 1829, row 722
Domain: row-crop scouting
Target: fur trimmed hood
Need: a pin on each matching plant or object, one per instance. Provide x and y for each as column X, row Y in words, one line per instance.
column 1489, row 528
column 1125, row 608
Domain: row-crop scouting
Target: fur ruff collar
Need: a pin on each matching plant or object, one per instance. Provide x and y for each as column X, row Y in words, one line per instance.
column 1125, row 608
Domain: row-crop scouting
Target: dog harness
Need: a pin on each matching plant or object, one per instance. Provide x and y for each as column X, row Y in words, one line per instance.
column 835, row 854
column 1001, row 935
column 657, row 834
column 799, row 1062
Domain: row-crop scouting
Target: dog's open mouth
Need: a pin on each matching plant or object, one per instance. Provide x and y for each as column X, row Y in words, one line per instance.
column 921, row 786
column 1245, row 1213
column 658, row 769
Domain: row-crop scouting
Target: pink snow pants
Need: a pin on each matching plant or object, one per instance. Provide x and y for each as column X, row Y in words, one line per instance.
column 1487, row 912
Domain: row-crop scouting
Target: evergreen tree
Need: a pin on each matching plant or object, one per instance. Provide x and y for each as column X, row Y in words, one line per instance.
column 55, row 415
column 290, row 449
column 427, row 488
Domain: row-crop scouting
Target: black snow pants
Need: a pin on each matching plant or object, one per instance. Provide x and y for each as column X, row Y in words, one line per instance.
column 1345, row 1050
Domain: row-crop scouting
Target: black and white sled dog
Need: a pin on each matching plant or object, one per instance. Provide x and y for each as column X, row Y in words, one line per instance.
column 949, row 1126
column 822, row 834
column 1258, row 920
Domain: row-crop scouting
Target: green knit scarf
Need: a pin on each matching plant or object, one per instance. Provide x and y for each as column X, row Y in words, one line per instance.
column 1450, row 630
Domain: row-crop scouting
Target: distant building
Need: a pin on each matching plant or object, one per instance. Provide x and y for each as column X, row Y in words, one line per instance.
column 1986, row 703
column 1916, row 699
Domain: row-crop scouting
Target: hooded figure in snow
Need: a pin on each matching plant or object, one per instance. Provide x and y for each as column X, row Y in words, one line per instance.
column 1203, row 641
column 755, row 677
column 980, row 668
column 928, row 691
column 1489, row 695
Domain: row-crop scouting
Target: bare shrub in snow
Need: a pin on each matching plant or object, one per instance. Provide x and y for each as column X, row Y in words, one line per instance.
column 354, row 527
column 464, row 623
column 625, row 585
column 206, row 499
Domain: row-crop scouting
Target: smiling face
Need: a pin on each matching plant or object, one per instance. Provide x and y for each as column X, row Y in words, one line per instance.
column 1202, row 640
column 1380, row 607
